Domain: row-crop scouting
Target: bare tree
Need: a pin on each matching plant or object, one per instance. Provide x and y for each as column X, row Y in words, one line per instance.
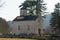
column 4, row 29
column 1, row 3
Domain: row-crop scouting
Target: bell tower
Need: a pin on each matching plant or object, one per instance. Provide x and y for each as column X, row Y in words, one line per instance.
column 23, row 12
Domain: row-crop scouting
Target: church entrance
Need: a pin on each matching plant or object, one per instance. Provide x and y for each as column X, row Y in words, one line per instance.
column 39, row 31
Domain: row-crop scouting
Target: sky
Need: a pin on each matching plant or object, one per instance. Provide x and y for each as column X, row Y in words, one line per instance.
column 10, row 9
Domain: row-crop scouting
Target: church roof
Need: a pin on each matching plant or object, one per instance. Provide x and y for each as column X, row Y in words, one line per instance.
column 26, row 18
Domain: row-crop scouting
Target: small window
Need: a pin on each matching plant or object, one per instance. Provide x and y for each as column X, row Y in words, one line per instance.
column 28, row 27
column 18, row 27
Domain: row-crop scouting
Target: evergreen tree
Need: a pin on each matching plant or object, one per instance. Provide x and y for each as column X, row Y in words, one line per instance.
column 29, row 5
column 55, row 20
column 34, row 5
column 40, row 9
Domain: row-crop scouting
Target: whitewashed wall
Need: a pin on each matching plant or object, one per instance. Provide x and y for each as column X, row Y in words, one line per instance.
column 24, row 27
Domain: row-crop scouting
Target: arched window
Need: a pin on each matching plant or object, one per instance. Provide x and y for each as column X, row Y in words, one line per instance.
column 28, row 27
column 18, row 27
column 39, row 31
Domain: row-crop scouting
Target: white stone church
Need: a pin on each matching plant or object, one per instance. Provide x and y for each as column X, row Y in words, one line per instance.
column 26, row 24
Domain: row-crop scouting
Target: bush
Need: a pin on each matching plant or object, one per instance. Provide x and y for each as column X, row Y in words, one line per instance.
column 22, row 35
column 30, row 35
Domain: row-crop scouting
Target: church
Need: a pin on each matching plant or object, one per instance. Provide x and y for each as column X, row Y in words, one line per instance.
column 26, row 23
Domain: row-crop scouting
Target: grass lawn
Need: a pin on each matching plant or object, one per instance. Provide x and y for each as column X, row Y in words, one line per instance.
column 17, row 39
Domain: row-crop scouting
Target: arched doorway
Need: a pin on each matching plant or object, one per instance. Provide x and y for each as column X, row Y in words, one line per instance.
column 39, row 31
